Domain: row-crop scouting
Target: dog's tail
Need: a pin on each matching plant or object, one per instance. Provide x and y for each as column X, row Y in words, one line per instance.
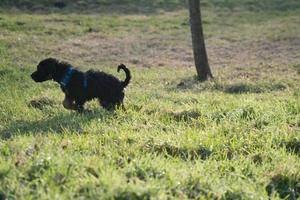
column 128, row 75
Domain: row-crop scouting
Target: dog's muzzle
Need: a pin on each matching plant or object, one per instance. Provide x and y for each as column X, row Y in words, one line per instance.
column 34, row 77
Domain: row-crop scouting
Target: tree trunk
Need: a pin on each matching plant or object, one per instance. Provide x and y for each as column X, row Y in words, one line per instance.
column 200, row 55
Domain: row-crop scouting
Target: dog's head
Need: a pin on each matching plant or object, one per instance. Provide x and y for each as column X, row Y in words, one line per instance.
column 45, row 70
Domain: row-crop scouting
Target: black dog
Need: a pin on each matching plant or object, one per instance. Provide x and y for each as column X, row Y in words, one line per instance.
column 80, row 87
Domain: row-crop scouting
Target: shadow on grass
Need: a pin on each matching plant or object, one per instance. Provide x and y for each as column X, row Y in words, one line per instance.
column 41, row 103
column 234, row 88
column 288, row 187
column 141, row 6
column 193, row 188
column 246, row 113
column 297, row 68
column 255, row 5
column 183, row 153
column 60, row 123
column 249, row 88
column 292, row 146
column 233, row 195
column 185, row 115
column 93, row 6
column 123, row 195
column 145, row 173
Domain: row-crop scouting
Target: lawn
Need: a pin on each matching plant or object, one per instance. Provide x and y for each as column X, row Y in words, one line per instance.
column 234, row 137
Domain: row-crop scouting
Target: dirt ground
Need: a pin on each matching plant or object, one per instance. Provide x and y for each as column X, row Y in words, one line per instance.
column 159, row 52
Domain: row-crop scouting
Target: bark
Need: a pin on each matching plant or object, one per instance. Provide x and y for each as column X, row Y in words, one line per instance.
column 200, row 55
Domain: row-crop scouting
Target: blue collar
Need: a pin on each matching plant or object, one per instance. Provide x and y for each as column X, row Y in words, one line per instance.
column 66, row 79
column 85, row 82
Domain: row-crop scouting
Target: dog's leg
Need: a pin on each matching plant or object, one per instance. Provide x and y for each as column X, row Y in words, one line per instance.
column 79, row 105
column 120, row 103
column 68, row 103
column 102, row 103
column 80, row 108
column 107, row 105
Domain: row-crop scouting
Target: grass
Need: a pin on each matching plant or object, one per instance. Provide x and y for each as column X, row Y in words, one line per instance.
column 235, row 137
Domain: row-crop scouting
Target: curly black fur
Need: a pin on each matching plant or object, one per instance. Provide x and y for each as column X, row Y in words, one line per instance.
column 108, row 89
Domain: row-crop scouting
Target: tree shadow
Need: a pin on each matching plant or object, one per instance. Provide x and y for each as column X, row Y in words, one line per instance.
column 258, row 6
column 244, row 113
column 58, row 124
column 253, row 88
column 231, row 88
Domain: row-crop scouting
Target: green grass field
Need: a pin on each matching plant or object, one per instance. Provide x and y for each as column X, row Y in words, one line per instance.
column 234, row 137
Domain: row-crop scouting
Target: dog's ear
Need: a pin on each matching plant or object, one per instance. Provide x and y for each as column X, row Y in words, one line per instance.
column 46, row 69
column 50, row 65
column 53, row 68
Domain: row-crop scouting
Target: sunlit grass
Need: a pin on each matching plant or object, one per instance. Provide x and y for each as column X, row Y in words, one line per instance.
column 234, row 137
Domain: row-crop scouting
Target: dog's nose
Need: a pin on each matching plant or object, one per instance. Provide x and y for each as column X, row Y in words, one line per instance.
column 33, row 76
